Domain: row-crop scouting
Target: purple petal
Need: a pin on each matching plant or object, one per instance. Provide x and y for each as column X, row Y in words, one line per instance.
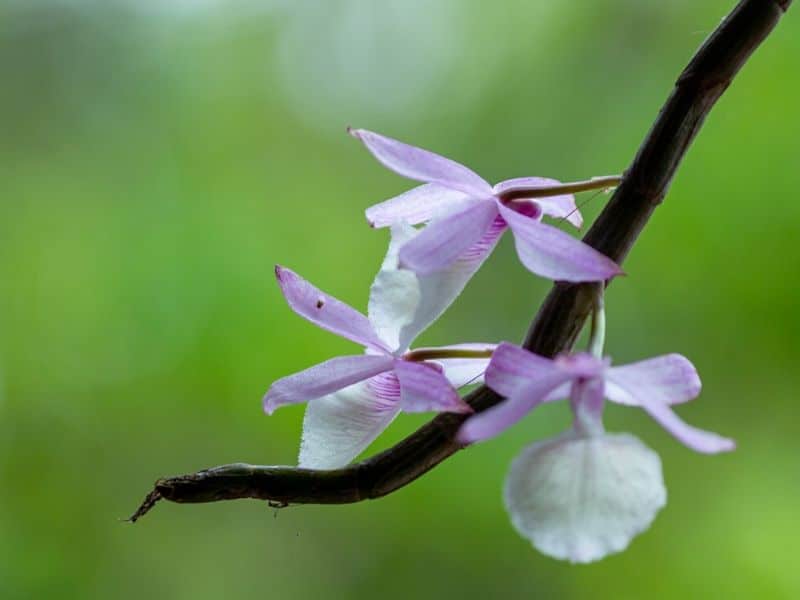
column 338, row 427
column 445, row 239
column 500, row 417
column 513, row 367
column 439, row 290
column 415, row 206
column 324, row 378
column 551, row 253
column 422, row 165
column 559, row 207
column 326, row 311
column 668, row 379
column 424, row 388
column 696, row 439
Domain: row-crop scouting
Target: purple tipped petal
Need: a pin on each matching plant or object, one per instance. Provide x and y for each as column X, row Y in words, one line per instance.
column 424, row 388
column 422, row 165
column 324, row 378
column 338, row 427
column 559, row 207
column 696, row 439
column 445, row 239
column 551, row 253
column 498, row 418
column 668, row 379
column 512, row 367
column 415, row 206
column 326, row 311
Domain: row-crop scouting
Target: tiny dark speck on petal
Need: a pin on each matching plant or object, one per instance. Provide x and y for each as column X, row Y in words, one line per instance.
column 320, row 302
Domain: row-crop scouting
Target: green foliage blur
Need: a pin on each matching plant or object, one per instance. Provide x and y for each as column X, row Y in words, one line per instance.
column 157, row 158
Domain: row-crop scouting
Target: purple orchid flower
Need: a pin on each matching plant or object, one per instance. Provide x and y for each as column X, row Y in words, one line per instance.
column 353, row 398
column 467, row 216
column 586, row 493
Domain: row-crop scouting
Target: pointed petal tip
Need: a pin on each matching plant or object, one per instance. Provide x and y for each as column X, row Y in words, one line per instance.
column 268, row 405
column 352, row 131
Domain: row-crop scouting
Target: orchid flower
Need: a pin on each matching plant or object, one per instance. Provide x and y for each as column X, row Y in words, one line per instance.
column 587, row 493
column 353, row 398
column 467, row 215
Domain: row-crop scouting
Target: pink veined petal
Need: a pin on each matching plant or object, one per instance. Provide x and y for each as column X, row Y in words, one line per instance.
column 422, row 165
column 415, row 206
column 339, row 426
column 440, row 289
column 448, row 237
column 668, row 379
column 551, row 253
column 559, row 207
column 699, row 440
column 326, row 311
column 464, row 371
column 424, row 388
column 324, row 378
column 513, row 367
column 502, row 416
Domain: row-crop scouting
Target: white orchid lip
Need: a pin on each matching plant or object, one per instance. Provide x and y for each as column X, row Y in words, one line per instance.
column 581, row 498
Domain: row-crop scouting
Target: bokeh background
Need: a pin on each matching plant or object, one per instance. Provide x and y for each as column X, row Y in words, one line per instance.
column 157, row 158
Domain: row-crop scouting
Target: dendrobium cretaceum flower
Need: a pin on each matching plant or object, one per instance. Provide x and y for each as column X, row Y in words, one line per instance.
column 353, row 398
column 586, row 493
column 467, row 215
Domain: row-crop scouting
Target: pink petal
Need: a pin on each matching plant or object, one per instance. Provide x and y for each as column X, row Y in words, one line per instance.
column 326, row 311
column 559, row 207
column 696, row 439
column 324, row 378
column 513, row 367
column 445, row 239
column 415, row 206
column 424, row 388
column 338, row 427
column 551, row 253
column 502, row 416
column 440, row 289
column 668, row 379
column 421, row 165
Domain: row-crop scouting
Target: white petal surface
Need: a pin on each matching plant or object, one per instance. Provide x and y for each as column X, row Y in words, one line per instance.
column 583, row 498
column 338, row 427
column 395, row 295
column 464, row 371
column 417, row 205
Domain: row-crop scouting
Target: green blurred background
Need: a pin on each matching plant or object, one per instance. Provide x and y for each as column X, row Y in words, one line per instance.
column 158, row 157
